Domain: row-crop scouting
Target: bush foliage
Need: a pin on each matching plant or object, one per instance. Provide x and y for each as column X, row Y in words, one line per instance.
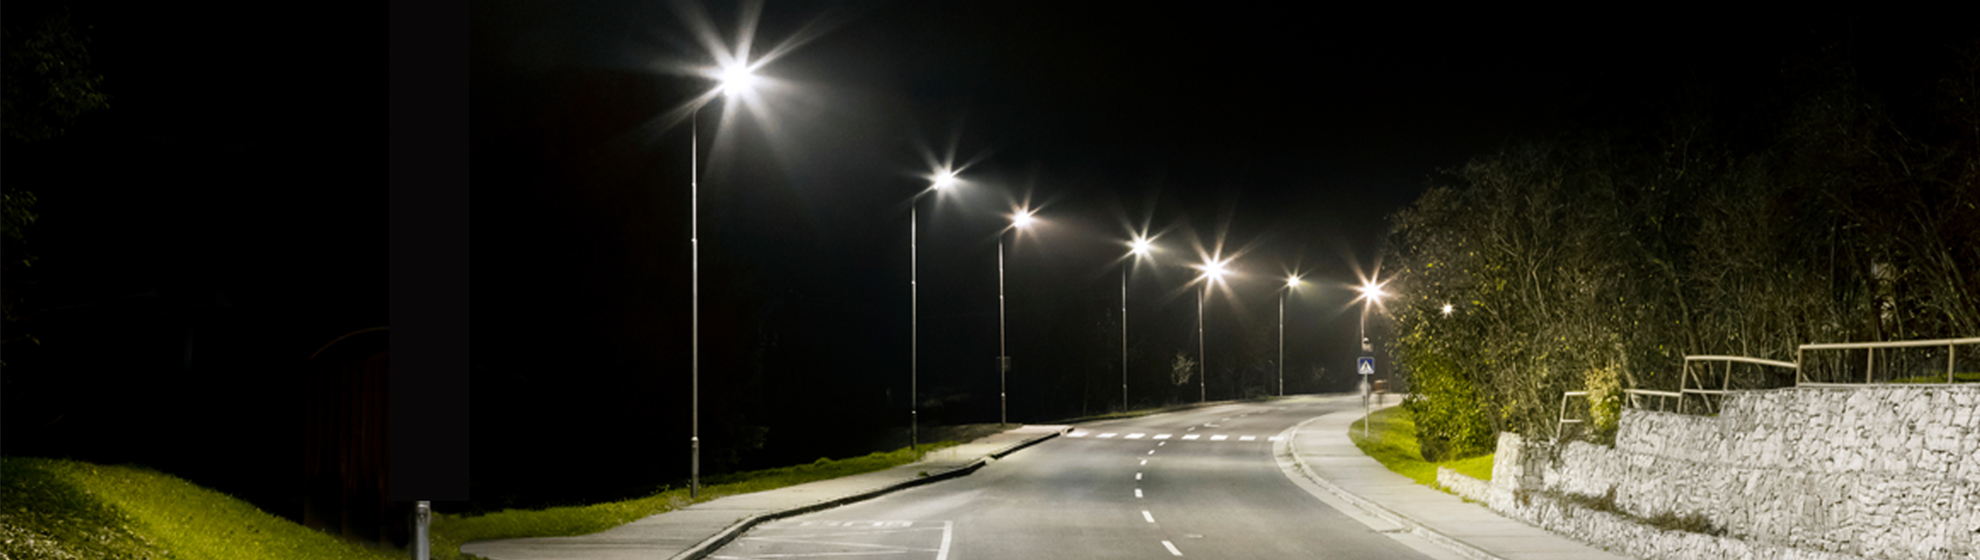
column 1744, row 226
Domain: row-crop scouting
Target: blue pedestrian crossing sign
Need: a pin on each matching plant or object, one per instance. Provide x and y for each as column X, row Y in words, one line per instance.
column 1365, row 365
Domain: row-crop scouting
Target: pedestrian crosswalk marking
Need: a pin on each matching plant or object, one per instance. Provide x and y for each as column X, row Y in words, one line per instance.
column 1162, row 436
column 1247, row 438
column 1191, row 436
column 1219, row 438
column 1135, row 436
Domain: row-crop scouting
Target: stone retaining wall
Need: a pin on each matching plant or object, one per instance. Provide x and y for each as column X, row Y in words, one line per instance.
column 1889, row 472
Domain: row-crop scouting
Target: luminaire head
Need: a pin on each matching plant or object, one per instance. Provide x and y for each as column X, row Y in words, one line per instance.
column 1447, row 310
column 1371, row 291
column 1292, row 281
column 1022, row 219
column 1213, row 270
column 945, row 180
column 1141, row 246
column 737, row 79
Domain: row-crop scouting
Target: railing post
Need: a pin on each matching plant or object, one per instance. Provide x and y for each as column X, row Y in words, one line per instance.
column 1870, row 365
column 1949, row 363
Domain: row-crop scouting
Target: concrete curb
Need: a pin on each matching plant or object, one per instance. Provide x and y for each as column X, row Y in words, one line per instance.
column 1404, row 521
column 709, row 545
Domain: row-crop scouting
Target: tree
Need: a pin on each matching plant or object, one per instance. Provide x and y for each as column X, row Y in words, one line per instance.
column 46, row 83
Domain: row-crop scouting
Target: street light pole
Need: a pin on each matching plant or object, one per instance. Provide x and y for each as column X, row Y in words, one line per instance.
column 1003, row 359
column 1203, row 360
column 914, row 329
column 694, row 243
column 1124, row 367
column 1282, row 343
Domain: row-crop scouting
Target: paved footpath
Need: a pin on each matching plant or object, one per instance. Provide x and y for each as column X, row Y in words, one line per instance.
column 1320, row 449
column 694, row 531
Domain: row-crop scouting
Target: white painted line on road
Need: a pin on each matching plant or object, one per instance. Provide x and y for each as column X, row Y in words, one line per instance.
column 1135, row 436
column 1107, row 435
column 1151, row 452
column 1248, row 438
column 1191, row 436
column 1144, row 461
column 947, row 527
column 1192, row 428
column 1162, row 436
column 1078, row 434
column 1219, row 438
column 1276, row 438
column 1172, row 548
column 1145, row 515
column 1161, row 444
column 1137, row 492
column 1137, row 476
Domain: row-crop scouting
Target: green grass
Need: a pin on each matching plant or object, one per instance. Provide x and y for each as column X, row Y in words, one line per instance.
column 1958, row 377
column 449, row 532
column 72, row 509
column 1392, row 441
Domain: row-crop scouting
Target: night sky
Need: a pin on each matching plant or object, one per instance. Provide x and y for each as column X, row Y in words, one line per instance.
column 239, row 182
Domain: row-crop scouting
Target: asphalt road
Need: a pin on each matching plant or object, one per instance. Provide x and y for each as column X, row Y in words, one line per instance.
column 1197, row 484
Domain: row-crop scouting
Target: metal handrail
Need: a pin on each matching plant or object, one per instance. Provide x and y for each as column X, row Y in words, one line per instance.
column 1870, row 364
column 1561, row 427
column 1725, row 383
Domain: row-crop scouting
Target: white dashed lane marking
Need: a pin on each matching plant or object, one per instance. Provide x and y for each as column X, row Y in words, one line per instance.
column 1147, row 516
column 1137, row 492
column 1172, row 548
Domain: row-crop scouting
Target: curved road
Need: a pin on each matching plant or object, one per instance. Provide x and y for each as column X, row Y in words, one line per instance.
column 1197, row 484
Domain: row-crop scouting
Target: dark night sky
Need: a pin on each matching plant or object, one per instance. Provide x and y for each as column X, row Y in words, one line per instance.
column 242, row 162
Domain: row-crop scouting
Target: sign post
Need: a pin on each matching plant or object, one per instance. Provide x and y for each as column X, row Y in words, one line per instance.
column 1365, row 366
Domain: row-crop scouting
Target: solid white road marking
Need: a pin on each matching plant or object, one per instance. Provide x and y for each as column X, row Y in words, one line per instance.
column 1219, row 438
column 1145, row 515
column 1191, row 436
column 1162, row 436
column 947, row 527
column 1135, row 436
column 1137, row 492
column 1107, row 435
column 1247, row 438
column 1172, row 548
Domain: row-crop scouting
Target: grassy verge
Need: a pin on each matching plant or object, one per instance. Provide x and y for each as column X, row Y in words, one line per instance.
column 449, row 532
column 71, row 509
column 1392, row 441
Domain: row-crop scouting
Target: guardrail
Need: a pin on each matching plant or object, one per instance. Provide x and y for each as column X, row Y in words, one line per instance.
column 1870, row 360
column 1694, row 379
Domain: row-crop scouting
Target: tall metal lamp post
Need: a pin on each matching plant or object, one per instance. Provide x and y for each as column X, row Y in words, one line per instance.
column 1370, row 292
column 1022, row 219
column 942, row 181
column 1138, row 248
column 735, row 80
column 1213, row 271
column 1292, row 283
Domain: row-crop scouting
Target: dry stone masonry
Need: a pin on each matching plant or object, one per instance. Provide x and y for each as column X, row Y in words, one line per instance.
column 1883, row 471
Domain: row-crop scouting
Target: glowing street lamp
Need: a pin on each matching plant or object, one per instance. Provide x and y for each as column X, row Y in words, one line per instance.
column 1021, row 220
column 1213, row 271
column 1371, row 291
column 1447, row 310
column 736, row 79
column 941, row 182
column 1138, row 248
column 1292, row 283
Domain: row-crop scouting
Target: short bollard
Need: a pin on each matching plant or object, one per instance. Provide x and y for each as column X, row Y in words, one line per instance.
column 422, row 515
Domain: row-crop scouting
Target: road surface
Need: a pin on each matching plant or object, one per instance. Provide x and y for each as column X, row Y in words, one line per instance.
column 1195, row 484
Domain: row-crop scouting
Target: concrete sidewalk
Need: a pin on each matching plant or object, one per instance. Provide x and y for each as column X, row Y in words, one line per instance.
column 694, row 531
column 1319, row 451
